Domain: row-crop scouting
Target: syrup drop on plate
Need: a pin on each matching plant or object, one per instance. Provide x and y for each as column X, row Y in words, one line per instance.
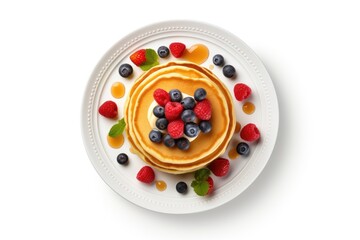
column 161, row 185
column 117, row 90
column 233, row 154
column 248, row 108
column 115, row 142
column 237, row 127
column 197, row 53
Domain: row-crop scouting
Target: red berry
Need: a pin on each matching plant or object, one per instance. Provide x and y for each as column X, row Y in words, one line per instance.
column 173, row 110
column 219, row 167
column 108, row 109
column 146, row 175
column 138, row 57
column 176, row 129
column 241, row 91
column 177, row 49
column 203, row 110
column 211, row 185
column 250, row 132
column 161, row 96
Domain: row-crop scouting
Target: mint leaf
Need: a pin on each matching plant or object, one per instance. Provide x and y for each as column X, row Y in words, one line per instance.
column 202, row 174
column 147, row 67
column 200, row 187
column 151, row 55
column 151, row 59
column 118, row 128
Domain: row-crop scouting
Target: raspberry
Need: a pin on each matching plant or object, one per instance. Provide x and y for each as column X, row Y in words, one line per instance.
column 146, row 175
column 161, row 97
column 250, row 132
column 241, row 91
column 173, row 110
column 177, row 49
column 219, row 167
column 176, row 129
column 108, row 109
column 203, row 110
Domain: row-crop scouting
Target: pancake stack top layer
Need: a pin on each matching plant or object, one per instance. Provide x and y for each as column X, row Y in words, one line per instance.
column 186, row 77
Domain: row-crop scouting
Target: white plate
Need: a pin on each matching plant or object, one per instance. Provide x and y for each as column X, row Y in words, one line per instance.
column 243, row 171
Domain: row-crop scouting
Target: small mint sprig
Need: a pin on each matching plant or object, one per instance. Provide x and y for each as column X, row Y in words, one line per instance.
column 200, row 184
column 151, row 59
column 118, row 128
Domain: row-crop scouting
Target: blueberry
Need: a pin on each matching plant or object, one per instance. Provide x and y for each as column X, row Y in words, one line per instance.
column 200, row 94
column 188, row 103
column 183, row 143
column 168, row 141
column 155, row 136
column 191, row 129
column 122, row 158
column 188, row 116
column 229, row 71
column 243, row 148
column 161, row 123
column 205, row 126
column 159, row 111
column 125, row 70
column 175, row 95
column 163, row 51
column 218, row 60
column 181, row 187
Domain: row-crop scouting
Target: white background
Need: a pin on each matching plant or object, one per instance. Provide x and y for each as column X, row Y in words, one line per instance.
column 308, row 190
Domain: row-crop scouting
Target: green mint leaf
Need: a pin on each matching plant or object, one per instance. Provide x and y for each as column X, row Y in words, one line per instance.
column 118, row 128
column 201, row 188
column 151, row 56
column 194, row 183
column 151, row 59
column 202, row 174
column 148, row 66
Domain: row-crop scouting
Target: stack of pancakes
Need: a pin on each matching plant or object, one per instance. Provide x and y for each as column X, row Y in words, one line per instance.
column 186, row 77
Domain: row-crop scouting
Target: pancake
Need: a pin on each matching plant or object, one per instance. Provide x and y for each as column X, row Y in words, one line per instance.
column 167, row 166
column 200, row 146
column 187, row 77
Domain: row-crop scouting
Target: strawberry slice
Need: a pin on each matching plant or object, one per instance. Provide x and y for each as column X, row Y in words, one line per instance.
column 138, row 57
column 177, row 49
column 211, row 185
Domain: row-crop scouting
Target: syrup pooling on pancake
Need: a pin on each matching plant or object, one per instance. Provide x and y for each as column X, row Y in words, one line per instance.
column 200, row 147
